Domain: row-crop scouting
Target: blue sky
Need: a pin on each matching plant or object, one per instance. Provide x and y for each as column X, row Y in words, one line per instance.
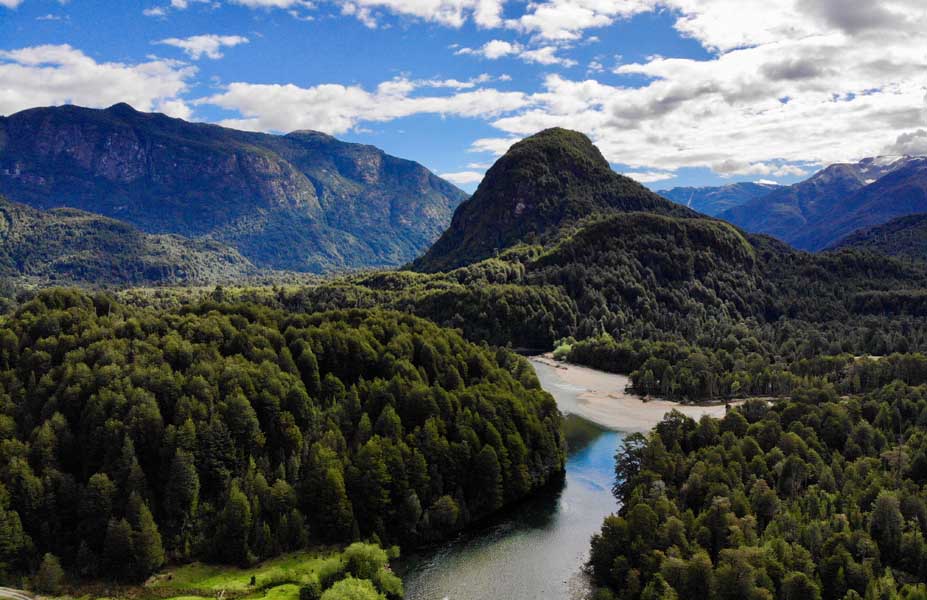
column 675, row 92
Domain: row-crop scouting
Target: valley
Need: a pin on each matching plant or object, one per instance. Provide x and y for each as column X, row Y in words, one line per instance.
column 463, row 300
column 701, row 382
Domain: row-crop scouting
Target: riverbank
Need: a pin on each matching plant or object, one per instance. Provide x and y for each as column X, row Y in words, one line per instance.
column 601, row 398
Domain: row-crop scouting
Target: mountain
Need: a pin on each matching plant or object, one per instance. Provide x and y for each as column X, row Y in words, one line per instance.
column 713, row 201
column 902, row 192
column 802, row 214
column 67, row 246
column 904, row 237
column 302, row 201
column 542, row 184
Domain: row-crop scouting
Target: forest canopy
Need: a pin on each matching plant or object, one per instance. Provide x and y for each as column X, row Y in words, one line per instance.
column 233, row 432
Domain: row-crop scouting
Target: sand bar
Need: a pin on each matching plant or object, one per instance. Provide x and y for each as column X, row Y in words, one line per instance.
column 601, row 398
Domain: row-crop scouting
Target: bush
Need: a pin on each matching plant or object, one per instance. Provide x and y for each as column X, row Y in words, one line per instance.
column 311, row 590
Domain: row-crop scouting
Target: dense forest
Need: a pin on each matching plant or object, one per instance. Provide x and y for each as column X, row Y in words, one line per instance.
column 816, row 497
column 237, row 424
column 233, row 432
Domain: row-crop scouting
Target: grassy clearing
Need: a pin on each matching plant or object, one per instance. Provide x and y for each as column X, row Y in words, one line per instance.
column 276, row 579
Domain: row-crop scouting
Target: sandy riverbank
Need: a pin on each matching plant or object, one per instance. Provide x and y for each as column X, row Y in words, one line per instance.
column 601, row 397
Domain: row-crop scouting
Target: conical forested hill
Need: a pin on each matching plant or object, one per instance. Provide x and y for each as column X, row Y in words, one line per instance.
column 544, row 182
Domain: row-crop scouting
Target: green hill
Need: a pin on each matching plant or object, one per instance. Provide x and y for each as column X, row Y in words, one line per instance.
column 540, row 186
column 903, row 237
column 68, row 246
column 232, row 433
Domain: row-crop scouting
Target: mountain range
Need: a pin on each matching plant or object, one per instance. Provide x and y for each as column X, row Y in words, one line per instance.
column 713, row 201
column 117, row 196
column 834, row 202
column 304, row 201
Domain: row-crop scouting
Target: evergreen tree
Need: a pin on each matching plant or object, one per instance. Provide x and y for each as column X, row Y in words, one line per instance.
column 50, row 576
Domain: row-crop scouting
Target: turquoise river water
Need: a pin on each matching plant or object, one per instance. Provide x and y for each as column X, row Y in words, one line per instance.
column 537, row 549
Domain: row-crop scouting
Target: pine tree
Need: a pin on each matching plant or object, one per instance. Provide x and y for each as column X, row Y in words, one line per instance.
column 50, row 576
column 235, row 523
column 146, row 539
column 118, row 554
column 181, row 496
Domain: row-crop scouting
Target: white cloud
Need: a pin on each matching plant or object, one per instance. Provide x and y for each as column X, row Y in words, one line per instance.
column 913, row 143
column 456, row 83
column 546, row 55
column 463, row 177
column 649, row 176
column 452, row 13
column 155, row 11
column 495, row 146
column 800, row 83
column 53, row 75
column 567, row 19
column 10, row 3
column 495, row 49
column 730, row 167
column 209, row 45
column 335, row 108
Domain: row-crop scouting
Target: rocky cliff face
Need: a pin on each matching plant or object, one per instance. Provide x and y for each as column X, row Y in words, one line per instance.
column 304, row 201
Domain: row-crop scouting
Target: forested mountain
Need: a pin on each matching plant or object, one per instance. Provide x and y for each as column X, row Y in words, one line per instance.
column 233, row 432
column 541, row 185
column 819, row 211
column 304, row 201
column 691, row 308
column 66, row 245
column 903, row 237
column 713, row 201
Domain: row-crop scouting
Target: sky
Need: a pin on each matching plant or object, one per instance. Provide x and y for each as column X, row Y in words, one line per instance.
column 674, row 92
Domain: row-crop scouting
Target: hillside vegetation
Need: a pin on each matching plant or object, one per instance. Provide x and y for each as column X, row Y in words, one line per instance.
column 232, row 432
column 812, row 498
column 904, row 237
column 62, row 246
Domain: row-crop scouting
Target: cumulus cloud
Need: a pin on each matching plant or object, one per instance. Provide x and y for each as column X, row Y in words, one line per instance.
column 208, row 45
column 463, row 177
column 799, row 83
column 649, row 176
column 796, row 85
column 912, row 143
column 335, row 108
column 53, row 75
column 451, row 13
column 495, row 49
column 456, row 83
column 10, row 3
column 732, row 167
column 567, row 19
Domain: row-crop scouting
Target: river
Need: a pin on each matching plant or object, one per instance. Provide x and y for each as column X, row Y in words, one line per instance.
column 537, row 549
